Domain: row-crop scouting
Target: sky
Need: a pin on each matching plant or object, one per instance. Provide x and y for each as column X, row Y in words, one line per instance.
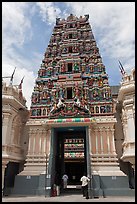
column 27, row 28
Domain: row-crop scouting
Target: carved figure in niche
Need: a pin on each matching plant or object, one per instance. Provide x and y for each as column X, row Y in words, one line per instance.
column 85, row 94
column 58, row 37
column 97, row 109
column 78, row 24
column 95, row 60
column 45, row 95
column 79, row 35
column 83, row 102
column 87, row 48
column 95, row 93
column 90, row 82
column 63, row 69
column 84, row 35
column 77, row 102
column 76, row 90
column 64, row 50
column 53, row 108
column 40, row 95
column 38, row 112
column 50, row 84
column 108, row 108
column 100, row 82
column 76, row 68
column 87, row 68
column 44, row 111
column 64, row 25
column 61, row 92
column 65, row 36
column 57, row 93
column 60, row 103
column 105, row 81
column 33, row 99
column 107, row 94
column 74, row 35
column 48, row 71
column 91, row 67
column 41, row 87
column 41, row 72
column 100, row 67
column 48, row 99
column 34, row 112
column 95, row 82
column 83, row 68
column 75, row 48
column 54, row 63
column 102, row 109
column 92, row 109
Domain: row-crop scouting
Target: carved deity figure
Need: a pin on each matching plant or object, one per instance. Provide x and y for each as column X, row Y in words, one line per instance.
column 63, row 69
column 61, row 92
column 76, row 68
column 76, row 90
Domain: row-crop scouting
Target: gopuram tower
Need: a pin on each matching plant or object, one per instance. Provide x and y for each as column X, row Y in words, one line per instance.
column 71, row 124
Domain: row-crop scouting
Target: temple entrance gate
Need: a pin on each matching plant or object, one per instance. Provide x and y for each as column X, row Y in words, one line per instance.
column 69, row 154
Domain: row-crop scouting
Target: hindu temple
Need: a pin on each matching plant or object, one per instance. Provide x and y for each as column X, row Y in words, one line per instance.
column 71, row 123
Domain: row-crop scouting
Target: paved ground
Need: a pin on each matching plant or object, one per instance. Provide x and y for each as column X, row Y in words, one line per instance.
column 68, row 198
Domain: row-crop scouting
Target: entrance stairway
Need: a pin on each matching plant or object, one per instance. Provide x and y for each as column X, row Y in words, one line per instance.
column 72, row 189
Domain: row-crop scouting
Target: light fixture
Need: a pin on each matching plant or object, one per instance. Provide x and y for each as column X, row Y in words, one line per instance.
column 70, row 129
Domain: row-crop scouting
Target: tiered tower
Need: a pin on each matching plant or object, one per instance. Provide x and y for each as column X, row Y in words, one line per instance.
column 72, row 81
column 71, row 125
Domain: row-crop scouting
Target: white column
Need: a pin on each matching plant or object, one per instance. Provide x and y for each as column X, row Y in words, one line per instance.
column 40, row 145
column 131, row 126
column 30, row 142
column 108, row 140
column 90, row 149
column 45, row 142
column 96, row 142
column 34, row 144
column 6, row 128
column 4, row 165
column 113, row 142
column 101, row 139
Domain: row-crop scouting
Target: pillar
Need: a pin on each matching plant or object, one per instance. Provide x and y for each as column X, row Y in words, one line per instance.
column 4, row 165
column 131, row 126
column 6, row 129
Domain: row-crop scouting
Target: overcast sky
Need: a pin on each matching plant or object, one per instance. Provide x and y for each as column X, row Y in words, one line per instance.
column 27, row 28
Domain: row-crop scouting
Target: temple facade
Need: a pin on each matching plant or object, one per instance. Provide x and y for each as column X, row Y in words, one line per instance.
column 71, row 127
column 126, row 100
column 14, row 137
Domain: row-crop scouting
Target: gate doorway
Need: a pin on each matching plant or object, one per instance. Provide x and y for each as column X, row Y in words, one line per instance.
column 11, row 171
column 70, row 154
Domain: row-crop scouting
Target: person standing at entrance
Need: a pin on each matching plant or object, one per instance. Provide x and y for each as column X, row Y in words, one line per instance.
column 57, row 182
column 85, row 181
column 65, row 180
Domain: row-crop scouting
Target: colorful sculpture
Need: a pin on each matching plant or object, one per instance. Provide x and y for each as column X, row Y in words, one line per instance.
column 71, row 80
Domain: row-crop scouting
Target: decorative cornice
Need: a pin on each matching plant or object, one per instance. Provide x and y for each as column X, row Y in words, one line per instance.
column 70, row 120
column 126, row 89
